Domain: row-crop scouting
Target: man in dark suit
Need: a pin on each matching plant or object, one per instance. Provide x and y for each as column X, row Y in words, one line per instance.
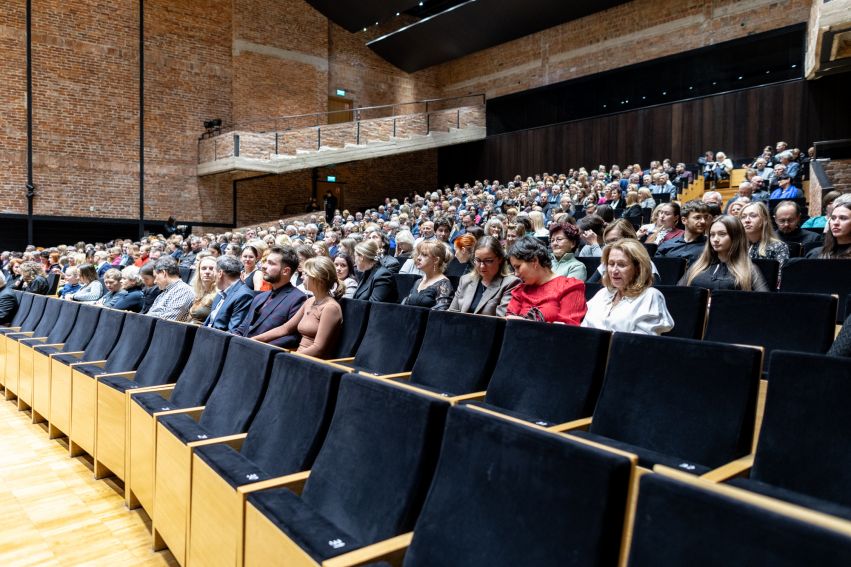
column 233, row 299
column 274, row 308
column 8, row 302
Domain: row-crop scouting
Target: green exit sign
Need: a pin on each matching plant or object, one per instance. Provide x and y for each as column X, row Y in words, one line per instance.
column 341, row 92
column 332, row 179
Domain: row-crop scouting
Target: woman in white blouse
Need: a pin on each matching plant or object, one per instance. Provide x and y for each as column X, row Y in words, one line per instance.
column 628, row 302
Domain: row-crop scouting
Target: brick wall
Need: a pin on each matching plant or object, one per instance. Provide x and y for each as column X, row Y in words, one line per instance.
column 624, row 35
column 839, row 173
column 13, row 118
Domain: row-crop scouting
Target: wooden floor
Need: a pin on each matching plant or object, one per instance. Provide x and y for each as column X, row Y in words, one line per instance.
column 53, row 512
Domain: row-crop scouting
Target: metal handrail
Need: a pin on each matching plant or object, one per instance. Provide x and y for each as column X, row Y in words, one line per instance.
column 355, row 112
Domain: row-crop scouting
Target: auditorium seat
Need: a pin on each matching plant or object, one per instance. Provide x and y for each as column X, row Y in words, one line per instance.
column 13, row 352
column 458, row 353
column 405, row 283
column 591, row 290
column 546, row 373
column 25, row 301
column 687, row 305
column 228, row 411
column 52, row 284
column 683, row 403
column 191, row 390
column 681, row 520
column 671, row 269
column 391, row 341
column 809, row 275
column 355, row 318
column 770, row 270
column 789, row 321
column 804, row 451
column 284, row 438
column 28, row 325
column 125, row 356
column 591, row 265
column 367, row 484
column 491, row 479
column 39, row 382
column 169, row 349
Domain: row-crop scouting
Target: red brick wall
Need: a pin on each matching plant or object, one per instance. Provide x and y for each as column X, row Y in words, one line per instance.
column 624, row 35
column 13, row 118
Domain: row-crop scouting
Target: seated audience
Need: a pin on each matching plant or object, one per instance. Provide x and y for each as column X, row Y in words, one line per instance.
column 692, row 241
column 762, row 242
column 842, row 345
column 785, row 189
column 151, row 290
column 591, row 229
column 487, row 289
column 787, row 215
column 346, row 273
column 628, row 302
column 462, row 263
column 176, row 296
column 564, row 238
column 92, row 289
column 433, row 290
column 204, row 288
column 320, row 317
column 273, row 308
column 134, row 299
column 826, row 207
column 725, row 263
column 114, row 289
column 8, row 301
column 632, row 211
column 837, row 239
column 232, row 297
column 543, row 295
column 376, row 283
column 304, row 253
column 404, row 246
column 737, row 206
column 72, row 282
column 252, row 277
column 666, row 226
column 389, row 262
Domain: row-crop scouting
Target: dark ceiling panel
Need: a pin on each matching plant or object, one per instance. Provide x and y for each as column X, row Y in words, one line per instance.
column 354, row 15
column 476, row 25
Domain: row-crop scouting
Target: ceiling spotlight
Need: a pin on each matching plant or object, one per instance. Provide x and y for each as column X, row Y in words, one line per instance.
column 643, row 98
column 793, row 66
column 421, row 3
column 364, row 29
column 397, row 14
column 740, row 77
column 605, row 105
column 664, row 93
column 376, row 23
column 768, row 72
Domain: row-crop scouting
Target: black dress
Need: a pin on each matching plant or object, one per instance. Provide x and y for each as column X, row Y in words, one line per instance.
column 456, row 268
column 436, row 296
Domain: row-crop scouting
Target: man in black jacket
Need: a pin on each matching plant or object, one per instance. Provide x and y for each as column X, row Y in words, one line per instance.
column 8, row 302
column 690, row 243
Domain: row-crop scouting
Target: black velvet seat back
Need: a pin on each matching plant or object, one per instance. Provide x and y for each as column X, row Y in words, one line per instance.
column 458, row 353
column 34, row 316
column 671, row 269
column 105, row 336
column 49, row 317
column 681, row 524
column 131, row 346
column 818, row 276
column 770, row 270
column 201, row 371
column 52, row 283
column 687, row 305
column 507, row 494
column 789, row 321
column 549, row 372
column 87, row 322
column 290, row 426
column 405, row 283
column 239, row 391
column 692, row 400
column 591, row 265
column 170, row 346
column 355, row 318
column 372, row 473
column 805, row 440
column 25, row 301
column 64, row 324
column 392, row 338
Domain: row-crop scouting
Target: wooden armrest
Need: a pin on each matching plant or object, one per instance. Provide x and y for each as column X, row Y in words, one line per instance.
column 294, row 482
column 581, row 423
column 33, row 339
column 128, row 374
column 100, row 363
column 21, row 333
column 57, row 345
column 471, row 397
column 11, row 328
column 194, row 413
column 164, row 388
column 76, row 353
column 388, row 376
column 234, row 441
column 392, row 550
column 349, row 359
column 729, row 470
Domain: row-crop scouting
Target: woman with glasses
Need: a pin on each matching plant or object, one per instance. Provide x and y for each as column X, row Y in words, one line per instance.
column 564, row 239
column 487, row 289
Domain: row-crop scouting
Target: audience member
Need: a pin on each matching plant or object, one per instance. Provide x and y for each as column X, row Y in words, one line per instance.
column 92, row 289
column 628, row 302
column 564, row 239
column 134, row 299
column 8, row 302
column 433, row 289
column 204, row 288
column 72, row 282
column 591, row 230
column 114, row 289
column 175, row 296
column 691, row 242
column 543, row 295
column 666, row 225
column 842, row 345
column 462, row 263
column 787, row 215
column 725, row 263
column 345, row 273
column 32, row 278
column 837, row 239
column 252, row 277
column 487, row 289
column 151, row 290
column 826, row 208
column 762, row 242
column 232, row 298
column 376, row 283
column 785, row 189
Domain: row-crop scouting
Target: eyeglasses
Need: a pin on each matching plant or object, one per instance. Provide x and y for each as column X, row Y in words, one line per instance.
column 557, row 240
column 484, row 262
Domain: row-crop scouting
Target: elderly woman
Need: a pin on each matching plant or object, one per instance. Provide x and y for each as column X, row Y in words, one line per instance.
column 404, row 246
column 433, row 290
column 114, row 290
column 376, row 283
column 487, row 289
column 32, row 278
column 134, row 299
column 92, row 289
column 628, row 302
column 463, row 260
column 564, row 239
column 543, row 295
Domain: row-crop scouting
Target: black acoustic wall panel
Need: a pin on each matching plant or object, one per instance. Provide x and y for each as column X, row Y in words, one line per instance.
column 354, row 15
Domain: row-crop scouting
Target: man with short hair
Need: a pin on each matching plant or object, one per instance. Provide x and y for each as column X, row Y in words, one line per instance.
column 684, row 177
column 442, row 229
column 745, row 190
column 710, row 197
column 760, row 192
column 692, row 241
column 233, row 299
column 273, row 308
column 175, row 296
column 787, row 215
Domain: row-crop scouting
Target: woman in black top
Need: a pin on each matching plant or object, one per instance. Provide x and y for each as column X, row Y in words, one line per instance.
column 462, row 263
column 32, row 278
column 433, row 290
column 376, row 282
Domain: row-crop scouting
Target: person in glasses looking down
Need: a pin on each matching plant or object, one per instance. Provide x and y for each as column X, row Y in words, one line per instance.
column 487, row 289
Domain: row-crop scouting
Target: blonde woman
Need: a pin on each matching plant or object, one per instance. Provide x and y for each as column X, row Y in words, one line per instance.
column 538, row 228
column 628, row 302
column 205, row 290
column 762, row 241
column 433, row 290
column 320, row 317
